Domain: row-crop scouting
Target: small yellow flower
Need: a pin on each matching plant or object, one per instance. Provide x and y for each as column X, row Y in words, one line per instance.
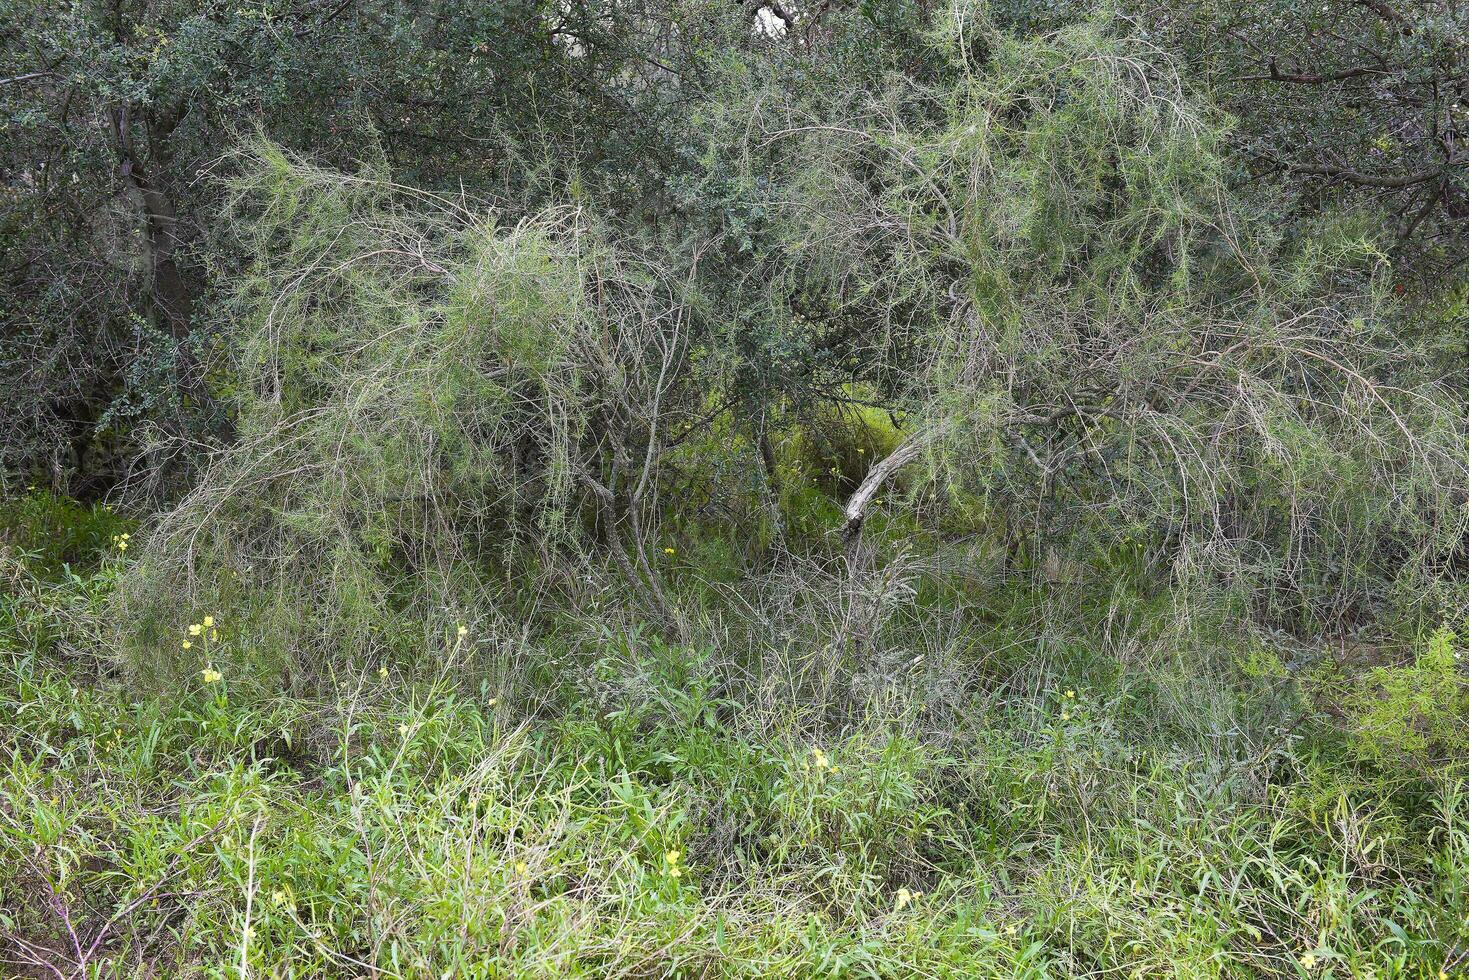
column 672, row 856
column 675, row 873
column 463, row 630
column 492, row 702
column 521, row 867
column 903, row 898
column 214, row 634
column 403, row 730
column 382, row 672
column 1065, row 716
column 188, row 644
column 278, row 897
column 210, row 675
column 122, row 546
column 670, row 551
column 1012, row 929
column 1070, row 693
column 821, row 760
column 1309, row 961
column 208, row 621
column 195, row 629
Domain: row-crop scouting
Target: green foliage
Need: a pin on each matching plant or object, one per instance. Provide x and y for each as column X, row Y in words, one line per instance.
column 872, row 489
column 1110, row 338
column 420, row 402
column 110, row 233
column 51, row 533
column 420, row 828
column 1416, row 711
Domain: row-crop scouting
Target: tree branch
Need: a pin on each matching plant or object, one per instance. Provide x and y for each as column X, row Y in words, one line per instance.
column 1360, row 179
column 856, row 511
column 1276, row 75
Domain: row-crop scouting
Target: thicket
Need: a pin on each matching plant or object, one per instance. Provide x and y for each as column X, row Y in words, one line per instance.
column 1078, row 334
column 870, row 490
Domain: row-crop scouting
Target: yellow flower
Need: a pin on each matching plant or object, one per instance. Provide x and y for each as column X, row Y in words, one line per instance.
column 672, row 856
column 122, row 546
column 195, row 629
column 382, row 672
column 208, row 621
column 1070, row 693
column 669, row 551
column 403, row 730
column 463, row 630
column 188, row 643
column 492, row 702
column 821, row 761
column 1065, row 716
column 214, row 634
column 1308, row 961
column 521, row 867
column 210, row 675
column 675, row 873
column 904, row 897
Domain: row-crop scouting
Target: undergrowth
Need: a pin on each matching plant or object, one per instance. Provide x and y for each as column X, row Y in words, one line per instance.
column 599, row 801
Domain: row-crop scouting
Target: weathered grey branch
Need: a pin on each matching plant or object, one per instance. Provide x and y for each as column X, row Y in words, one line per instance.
column 856, row 511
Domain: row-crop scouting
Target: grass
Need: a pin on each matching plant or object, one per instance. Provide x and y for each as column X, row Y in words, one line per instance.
column 918, row 784
column 410, row 829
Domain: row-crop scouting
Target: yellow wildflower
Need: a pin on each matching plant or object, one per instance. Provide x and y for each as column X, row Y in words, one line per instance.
column 1309, row 961
column 669, row 551
column 210, row 675
column 188, row 644
column 1070, row 693
column 208, row 621
column 403, row 730
column 382, row 672
column 195, row 629
column 905, row 897
column 521, row 867
column 463, row 630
